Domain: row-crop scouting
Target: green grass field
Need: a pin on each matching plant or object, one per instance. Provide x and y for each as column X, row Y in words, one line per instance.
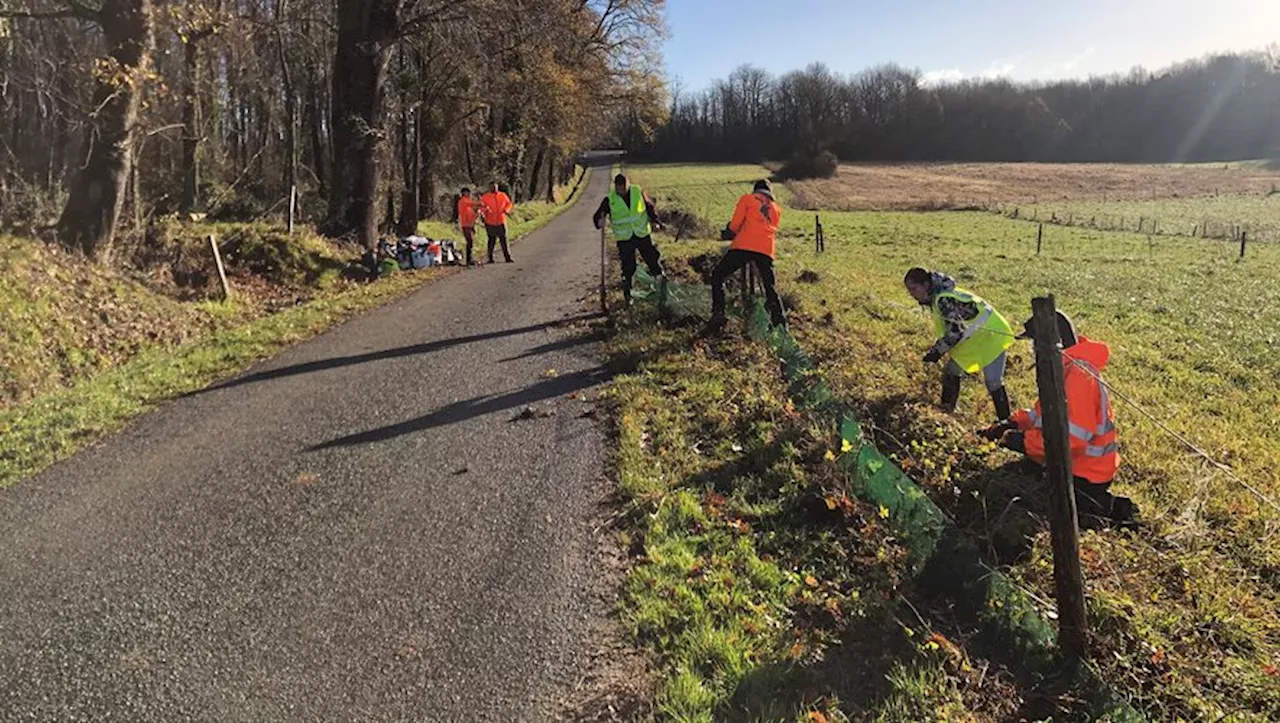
column 1185, row 614
column 1213, row 217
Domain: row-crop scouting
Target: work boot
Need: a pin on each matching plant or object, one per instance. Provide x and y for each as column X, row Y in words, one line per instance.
column 950, row 393
column 1000, row 398
column 713, row 326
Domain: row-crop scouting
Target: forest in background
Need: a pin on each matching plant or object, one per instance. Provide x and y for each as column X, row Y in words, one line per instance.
column 116, row 112
column 1219, row 108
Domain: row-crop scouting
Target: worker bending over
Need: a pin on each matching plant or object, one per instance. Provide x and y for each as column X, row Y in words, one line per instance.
column 753, row 232
column 970, row 329
column 1090, row 425
column 496, row 205
column 633, row 217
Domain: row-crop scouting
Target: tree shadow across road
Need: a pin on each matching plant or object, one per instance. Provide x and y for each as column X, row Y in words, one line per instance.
column 476, row 407
column 394, row 353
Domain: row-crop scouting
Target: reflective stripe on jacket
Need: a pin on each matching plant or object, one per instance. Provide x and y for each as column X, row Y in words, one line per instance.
column 1090, row 418
column 983, row 339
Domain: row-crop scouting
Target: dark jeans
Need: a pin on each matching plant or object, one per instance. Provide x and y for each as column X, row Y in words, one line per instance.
column 469, row 233
column 735, row 259
column 497, row 233
column 627, row 253
column 1095, row 503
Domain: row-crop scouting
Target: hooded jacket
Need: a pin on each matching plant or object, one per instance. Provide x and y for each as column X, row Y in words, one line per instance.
column 1090, row 418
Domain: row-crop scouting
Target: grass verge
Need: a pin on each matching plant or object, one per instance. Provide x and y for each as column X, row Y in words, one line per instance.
column 765, row 590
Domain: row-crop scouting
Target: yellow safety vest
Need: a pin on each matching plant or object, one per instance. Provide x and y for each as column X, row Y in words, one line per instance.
column 983, row 340
column 630, row 220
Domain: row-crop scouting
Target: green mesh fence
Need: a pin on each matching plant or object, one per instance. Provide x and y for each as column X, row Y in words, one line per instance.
column 940, row 555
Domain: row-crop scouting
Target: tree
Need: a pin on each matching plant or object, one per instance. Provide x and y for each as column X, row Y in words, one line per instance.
column 97, row 191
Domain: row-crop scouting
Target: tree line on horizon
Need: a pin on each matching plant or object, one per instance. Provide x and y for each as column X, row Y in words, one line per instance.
column 115, row 112
column 1220, row 108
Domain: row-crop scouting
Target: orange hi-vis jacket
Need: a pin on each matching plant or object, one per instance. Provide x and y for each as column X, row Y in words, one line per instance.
column 495, row 205
column 1090, row 419
column 467, row 212
column 755, row 224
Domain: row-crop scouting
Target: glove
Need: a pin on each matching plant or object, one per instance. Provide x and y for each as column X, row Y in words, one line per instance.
column 996, row 431
column 727, row 234
column 933, row 357
column 658, row 226
column 1014, row 441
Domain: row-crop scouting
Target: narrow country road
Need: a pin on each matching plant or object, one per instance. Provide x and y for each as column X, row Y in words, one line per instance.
column 364, row 528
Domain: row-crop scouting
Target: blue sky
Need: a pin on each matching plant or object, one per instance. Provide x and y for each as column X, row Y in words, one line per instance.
column 1027, row 39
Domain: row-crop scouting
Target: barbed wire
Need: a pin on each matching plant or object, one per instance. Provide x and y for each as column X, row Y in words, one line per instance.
column 1182, row 439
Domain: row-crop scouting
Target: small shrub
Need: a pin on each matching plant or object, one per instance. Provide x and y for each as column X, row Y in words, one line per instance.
column 804, row 165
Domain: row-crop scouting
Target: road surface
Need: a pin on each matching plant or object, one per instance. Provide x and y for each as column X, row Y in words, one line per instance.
column 363, row 528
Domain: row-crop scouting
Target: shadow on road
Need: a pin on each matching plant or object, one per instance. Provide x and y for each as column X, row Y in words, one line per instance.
column 475, row 407
column 425, row 348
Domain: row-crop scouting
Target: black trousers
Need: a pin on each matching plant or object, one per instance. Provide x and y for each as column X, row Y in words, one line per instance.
column 469, row 233
column 627, row 253
column 1094, row 503
column 497, row 233
column 734, row 260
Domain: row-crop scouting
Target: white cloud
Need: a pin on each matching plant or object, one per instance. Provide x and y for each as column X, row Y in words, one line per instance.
column 997, row 70
column 1070, row 66
column 947, row 75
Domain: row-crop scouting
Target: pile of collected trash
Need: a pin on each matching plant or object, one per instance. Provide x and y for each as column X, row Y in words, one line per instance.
column 414, row 252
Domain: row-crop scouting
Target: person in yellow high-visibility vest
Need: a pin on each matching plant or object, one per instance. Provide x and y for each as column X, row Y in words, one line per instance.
column 633, row 216
column 970, row 330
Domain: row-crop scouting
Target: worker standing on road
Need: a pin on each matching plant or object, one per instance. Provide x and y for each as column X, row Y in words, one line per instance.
column 468, row 209
column 1090, row 425
column 633, row 217
column 974, row 333
column 753, row 231
column 495, row 205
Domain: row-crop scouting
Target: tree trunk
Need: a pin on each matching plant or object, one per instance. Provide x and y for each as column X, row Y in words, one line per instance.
column 290, row 105
column 88, row 221
column 410, row 210
column 315, row 119
column 366, row 29
column 534, row 175
column 551, row 178
column 191, row 128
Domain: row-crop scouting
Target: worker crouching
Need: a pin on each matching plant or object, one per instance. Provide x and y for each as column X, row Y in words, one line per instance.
column 1090, row 424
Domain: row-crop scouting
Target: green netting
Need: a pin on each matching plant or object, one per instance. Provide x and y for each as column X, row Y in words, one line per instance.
column 939, row 554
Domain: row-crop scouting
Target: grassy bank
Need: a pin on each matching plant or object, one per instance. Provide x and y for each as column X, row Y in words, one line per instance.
column 86, row 349
column 763, row 588
column 1185, row 614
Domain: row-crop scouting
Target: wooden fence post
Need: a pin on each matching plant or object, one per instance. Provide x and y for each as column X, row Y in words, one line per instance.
column 1039, row 237
column 1244, row 239
column 222, row 271
column 1068, row 579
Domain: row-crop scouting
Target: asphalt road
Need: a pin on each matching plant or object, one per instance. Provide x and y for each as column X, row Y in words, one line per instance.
column 363, row 528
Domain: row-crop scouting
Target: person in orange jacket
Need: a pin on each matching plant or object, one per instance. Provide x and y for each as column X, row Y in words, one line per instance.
column 468, row 210
column 753, row 232
column 1091, row 428
column 495, row 205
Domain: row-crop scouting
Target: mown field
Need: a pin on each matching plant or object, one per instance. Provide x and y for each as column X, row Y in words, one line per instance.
column 1185, row 612
column 931, row 186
